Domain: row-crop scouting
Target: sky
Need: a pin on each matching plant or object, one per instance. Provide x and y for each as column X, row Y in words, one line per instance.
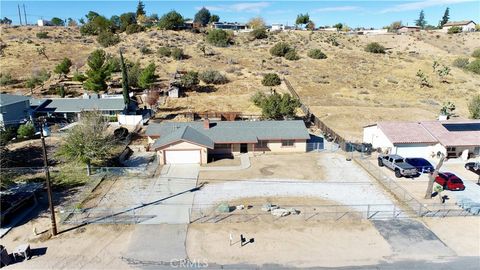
column 354, row 13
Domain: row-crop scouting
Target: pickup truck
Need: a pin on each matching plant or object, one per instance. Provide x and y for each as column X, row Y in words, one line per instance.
column 397, row 164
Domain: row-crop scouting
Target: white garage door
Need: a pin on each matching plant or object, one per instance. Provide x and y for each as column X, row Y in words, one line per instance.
column 414, row 151
column 182, row 157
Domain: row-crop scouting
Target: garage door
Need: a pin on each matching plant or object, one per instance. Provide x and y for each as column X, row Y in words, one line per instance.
column 182, row 157
column 412, row 151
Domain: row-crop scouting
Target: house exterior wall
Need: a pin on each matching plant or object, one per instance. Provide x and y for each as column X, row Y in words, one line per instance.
column 376, row 137
column 13, row 114
column 465, row 28
column 182, row 146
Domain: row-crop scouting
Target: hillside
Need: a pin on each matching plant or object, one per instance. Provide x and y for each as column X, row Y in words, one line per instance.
column 349, row 89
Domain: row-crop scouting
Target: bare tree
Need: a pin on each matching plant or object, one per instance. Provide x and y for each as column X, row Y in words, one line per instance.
column 432, row 176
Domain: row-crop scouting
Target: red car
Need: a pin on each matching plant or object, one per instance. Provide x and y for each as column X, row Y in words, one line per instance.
column 449, row 181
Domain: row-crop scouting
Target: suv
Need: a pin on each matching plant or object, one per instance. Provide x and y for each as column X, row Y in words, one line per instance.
column 449, row 181
column 422, row 165
column 397, row 164
column 473, row 166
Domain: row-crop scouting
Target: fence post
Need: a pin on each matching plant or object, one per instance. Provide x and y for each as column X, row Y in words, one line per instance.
column 368, row 211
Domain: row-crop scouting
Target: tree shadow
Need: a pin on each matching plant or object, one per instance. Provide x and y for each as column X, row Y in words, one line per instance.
column 205, row 89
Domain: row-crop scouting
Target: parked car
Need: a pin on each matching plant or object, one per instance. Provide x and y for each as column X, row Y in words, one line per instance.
column 449, row 181
column 397, row 164
column 422, row 165
column 473, row 166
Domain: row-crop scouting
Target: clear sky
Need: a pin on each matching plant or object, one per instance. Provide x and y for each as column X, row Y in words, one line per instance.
column 353, row 13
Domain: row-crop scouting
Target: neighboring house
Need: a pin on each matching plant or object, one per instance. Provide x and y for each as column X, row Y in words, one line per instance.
column 14, row 109
column 70, row 108
column 277, row 27
column 406, row 29
column 328, row 29
column 44, row 23
column 467, row 26
column 426, row 139
column 194, row 142
column 229, row 26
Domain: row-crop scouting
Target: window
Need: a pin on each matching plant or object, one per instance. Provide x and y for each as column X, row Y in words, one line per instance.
column 223, row 146
column 288, row 143
column 261, row 144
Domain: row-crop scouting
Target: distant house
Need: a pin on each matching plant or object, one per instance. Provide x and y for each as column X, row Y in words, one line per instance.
column 44, row 23
column 467, row 26
column 229, row 26
column 328, row 29
column 406, row 29
column 277, row 27
column 14, row 110
column 70, row 108
column 194, row 142
column 426, row 138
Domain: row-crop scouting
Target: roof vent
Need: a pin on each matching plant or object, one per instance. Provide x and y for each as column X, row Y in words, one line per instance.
column 206, row 123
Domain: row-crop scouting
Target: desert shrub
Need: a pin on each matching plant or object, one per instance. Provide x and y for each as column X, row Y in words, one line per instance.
column 26, row 131
column 218, row 37
column 212, row 77
column 460, row 62
column 145, row 50
column 177, row 54
column 476, row 53
column 292, row 55
column 259, row 33
column 454, row 30
column 164, row 51
column 170, row 21
column 60, row 91
column 474, row 107
column 6, row 79
column 276, row 106
column 63, row 67
column 280, row 49
column 42, row 34
column 134, row 28
column 107, row 39
column 316, row 54
column 271, row 79
column 374, row 47
column 7, row 135
column 79, row 77
column 474, row 66
column 189, row 80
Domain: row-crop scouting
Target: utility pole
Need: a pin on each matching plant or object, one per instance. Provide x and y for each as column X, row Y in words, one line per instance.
column 49, row 185
column 19, row 14
column 25, row 15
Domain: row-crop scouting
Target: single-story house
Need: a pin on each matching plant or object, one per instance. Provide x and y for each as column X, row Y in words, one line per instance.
column 467, row 26
column 229, row 26
column 194, row 142
column 426, row 138
column 70, row 108
column 277, row 27
column 14, row 109
column 44, row 23
column 406, row 29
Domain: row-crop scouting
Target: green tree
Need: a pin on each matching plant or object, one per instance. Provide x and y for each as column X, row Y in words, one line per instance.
column 147, row 76
column 89, row 142
column 421, row 20
column 339, row 26
column 26, row 130
column 107, row 39
column 125, row 86
column 394, row 26
column 202, row 17
column 454, row 30
column 189, row 80
column 474, row 107
column 276, row 106
column 302, row 19
column 6, row 21
column 96, row 24
column 57, row 21
column 134, row 71
column 214, row 18
column 446, row 17
column 98, row 72
column 127, row 19
column 218, row 37
column 61, row 91
column 171, row 21
column 271, row 79
column 63, row 68
column 256, row 23
column 140, row 9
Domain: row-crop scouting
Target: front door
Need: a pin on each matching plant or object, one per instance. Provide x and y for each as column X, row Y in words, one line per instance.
column 243, row 148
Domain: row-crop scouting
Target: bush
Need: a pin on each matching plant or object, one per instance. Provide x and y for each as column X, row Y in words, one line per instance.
column 276, row 106
column 474, row 107
column 147, row 76
column 42, row 34
column 145, row 50
column 218, row 37
column 189, row 80
column 460, row 62
column 259, row 33
column 454, row 30
column 107, row 39
column 26, row 131
column 474, row 66
column 134, row 28
column 60, row 91
column 63, row 67
column 177, row 54
column 164, row 51
column 375, row 47
column 316, row 54
column 171, row 21
column 271, row 79
column 114, row 64
column 213, row 77
column 5, row 79
column 292, row 55
column 79, row 77
column 476, row 53
column 280, row 49
column 7, row 135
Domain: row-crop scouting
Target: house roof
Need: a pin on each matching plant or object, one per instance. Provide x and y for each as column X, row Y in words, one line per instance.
column 233, row 131
column 447, row 133
column 186, row 134
column 63, row 105
column 458, row 23
column 7, row 99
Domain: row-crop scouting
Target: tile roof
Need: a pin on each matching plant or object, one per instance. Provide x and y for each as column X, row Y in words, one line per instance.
column 458, row 23
column 406, row 132
column 7, row 99
column 63, row 105
column 186, row 134
column 236, row 131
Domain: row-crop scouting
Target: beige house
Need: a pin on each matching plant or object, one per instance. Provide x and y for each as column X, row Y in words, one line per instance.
column 406, row 29
column 196, row 142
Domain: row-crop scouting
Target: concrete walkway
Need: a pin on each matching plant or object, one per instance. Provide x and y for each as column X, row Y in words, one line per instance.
column 245, row 164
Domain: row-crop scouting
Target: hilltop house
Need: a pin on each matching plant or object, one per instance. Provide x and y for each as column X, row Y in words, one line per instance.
column 229, row 26
column 14, row 110
column 426, row 139
column 406, row 29
column 194, row 142
column 467, row 26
